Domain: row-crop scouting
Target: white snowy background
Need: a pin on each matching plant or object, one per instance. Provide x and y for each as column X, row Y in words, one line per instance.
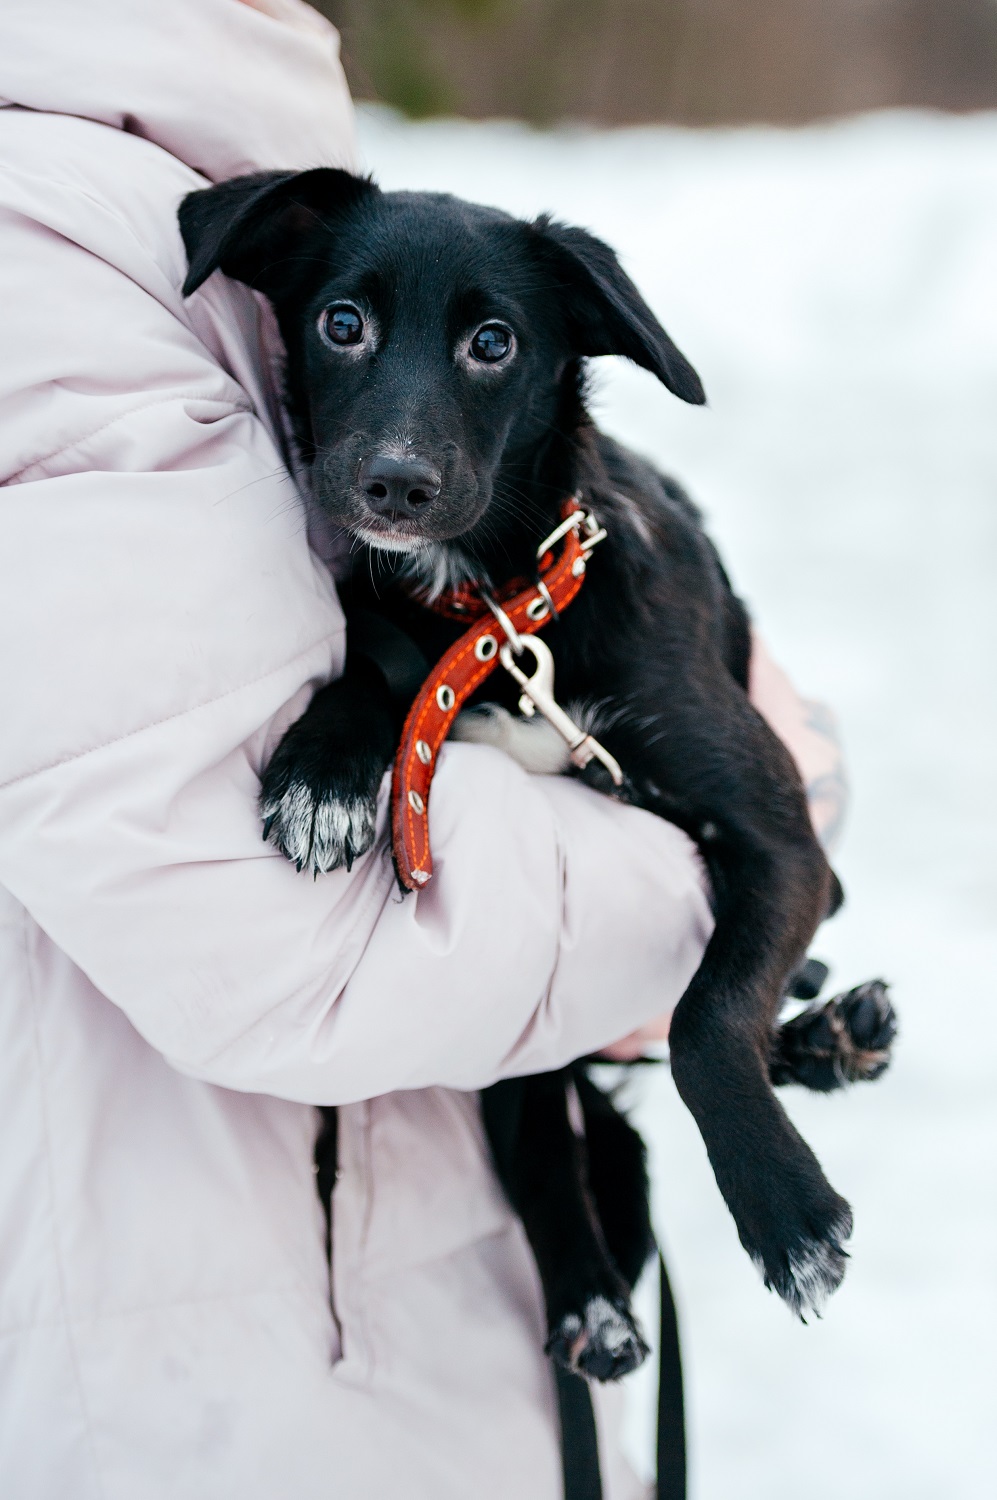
column 837, row 289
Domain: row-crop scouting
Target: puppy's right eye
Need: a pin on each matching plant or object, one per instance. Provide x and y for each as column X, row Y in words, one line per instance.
column 492, row 343
column 341, row 325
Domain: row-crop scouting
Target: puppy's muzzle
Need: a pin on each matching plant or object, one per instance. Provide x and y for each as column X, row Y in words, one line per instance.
column 399, row 489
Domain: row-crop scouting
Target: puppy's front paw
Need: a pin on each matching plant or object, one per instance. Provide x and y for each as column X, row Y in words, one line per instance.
column 845, row 1040
column 602, row 1342
column 316, row 831
column 320, row 816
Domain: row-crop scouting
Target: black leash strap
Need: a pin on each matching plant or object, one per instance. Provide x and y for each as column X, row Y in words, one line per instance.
column 579, row 1448
column 671, row 1400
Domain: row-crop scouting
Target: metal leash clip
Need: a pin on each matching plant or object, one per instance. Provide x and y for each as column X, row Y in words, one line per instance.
column 538, row 693
column 538, row 687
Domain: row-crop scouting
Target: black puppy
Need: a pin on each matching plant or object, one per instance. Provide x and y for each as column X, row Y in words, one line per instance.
column 435, row 354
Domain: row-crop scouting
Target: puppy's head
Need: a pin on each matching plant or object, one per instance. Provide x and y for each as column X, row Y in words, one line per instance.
column 426, row 337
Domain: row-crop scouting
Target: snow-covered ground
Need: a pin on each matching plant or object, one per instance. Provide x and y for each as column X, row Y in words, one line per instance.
column 837, row 289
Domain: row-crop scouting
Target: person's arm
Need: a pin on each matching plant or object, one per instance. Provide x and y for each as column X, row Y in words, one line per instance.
column 162, row 622
column 810, row 733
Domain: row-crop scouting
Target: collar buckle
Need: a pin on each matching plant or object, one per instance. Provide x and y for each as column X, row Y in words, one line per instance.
column 578, row 518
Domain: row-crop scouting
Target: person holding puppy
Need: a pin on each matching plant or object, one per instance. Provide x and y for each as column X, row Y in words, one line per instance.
column 176, row 999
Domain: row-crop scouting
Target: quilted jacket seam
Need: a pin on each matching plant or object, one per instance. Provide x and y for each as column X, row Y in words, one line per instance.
column 123, row 416
column 181, row 713
column 57, row 1248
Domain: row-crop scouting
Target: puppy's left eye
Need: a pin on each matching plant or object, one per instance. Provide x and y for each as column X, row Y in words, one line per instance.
column 492, row 343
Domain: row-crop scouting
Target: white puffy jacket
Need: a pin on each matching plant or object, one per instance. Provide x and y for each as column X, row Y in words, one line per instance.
column 174, row 999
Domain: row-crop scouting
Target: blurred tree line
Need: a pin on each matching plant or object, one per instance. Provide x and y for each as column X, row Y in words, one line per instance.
column 698, row 62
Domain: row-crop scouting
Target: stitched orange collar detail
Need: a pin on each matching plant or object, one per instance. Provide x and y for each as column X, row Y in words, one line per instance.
column 458, row 674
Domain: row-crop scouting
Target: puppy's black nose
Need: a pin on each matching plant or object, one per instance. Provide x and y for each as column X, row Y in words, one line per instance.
column 398, row 488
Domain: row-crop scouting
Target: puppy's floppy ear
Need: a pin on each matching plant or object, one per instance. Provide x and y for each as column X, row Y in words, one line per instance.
column 248, row 225
column 605, row 312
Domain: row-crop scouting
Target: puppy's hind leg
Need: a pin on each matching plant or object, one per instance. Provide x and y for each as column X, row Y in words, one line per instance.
column 617, row 1172
column 541, row 1163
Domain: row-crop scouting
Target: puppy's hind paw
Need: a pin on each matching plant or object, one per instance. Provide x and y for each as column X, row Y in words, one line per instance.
column 837, row 1042
column 870, row 1023
column 602, row 1342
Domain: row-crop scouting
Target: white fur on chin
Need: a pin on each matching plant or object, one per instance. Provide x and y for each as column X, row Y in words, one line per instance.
column 438, row 566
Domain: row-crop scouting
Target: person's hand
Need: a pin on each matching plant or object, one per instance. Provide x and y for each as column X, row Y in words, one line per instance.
column 631, row 1047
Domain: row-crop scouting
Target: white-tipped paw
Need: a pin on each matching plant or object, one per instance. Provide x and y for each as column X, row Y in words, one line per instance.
column 813, row 1270
column 603, row 1342
column 317, row 830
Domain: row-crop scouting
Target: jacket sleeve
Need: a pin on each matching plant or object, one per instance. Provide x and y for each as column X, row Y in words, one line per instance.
column 162, row 622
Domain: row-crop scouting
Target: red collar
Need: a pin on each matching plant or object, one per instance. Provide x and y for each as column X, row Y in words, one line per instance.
column 520, row 609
